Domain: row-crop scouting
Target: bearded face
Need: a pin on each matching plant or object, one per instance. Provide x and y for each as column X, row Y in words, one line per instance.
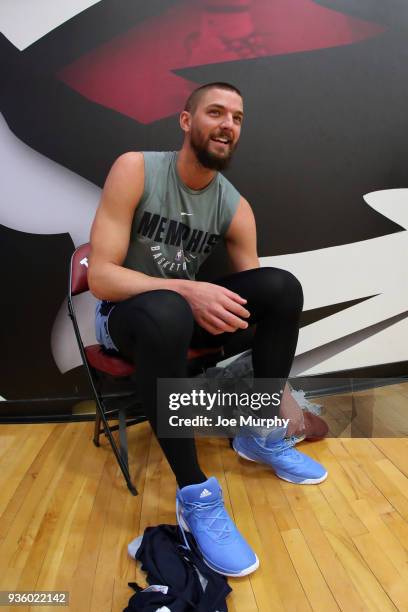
column 215, row 127
column 213, row 151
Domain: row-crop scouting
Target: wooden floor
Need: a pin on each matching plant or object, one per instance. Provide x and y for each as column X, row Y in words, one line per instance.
column 66, row 516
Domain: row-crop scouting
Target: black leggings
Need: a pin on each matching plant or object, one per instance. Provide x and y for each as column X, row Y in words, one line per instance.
column 155, row 329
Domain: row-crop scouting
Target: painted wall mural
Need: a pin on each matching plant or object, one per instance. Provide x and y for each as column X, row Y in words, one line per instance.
column 322, row 159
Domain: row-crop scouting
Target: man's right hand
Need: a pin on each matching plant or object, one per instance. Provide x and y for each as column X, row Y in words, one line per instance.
column 215, row 308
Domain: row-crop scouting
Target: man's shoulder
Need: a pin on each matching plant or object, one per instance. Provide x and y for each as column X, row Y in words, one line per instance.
column 136, row 157
column 158, row 156
column 228, row 189
column 126, row 178
column 129, row 161
column 133, row 163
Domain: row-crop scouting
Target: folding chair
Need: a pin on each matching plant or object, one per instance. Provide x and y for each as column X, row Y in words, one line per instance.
column 102, row 368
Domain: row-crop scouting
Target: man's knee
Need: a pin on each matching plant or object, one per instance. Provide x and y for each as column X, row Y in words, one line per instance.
column 167, row 312
column 282, row 287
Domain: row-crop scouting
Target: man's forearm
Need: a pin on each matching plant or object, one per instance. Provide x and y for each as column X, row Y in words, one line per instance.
column 116, row 283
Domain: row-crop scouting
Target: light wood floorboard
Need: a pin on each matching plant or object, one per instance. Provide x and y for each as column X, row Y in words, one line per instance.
column 67, row 517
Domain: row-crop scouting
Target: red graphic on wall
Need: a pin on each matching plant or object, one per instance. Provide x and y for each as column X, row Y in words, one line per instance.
column 134, row 73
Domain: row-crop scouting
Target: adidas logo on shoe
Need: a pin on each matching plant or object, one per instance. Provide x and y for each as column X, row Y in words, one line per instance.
column 205, row 493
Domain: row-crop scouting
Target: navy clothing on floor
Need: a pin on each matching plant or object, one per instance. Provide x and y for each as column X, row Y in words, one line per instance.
column 169, row 564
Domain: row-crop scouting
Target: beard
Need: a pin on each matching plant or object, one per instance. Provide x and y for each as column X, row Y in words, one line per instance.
column 207, row 158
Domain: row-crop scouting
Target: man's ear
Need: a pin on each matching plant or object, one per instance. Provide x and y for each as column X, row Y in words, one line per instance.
column 185, row 121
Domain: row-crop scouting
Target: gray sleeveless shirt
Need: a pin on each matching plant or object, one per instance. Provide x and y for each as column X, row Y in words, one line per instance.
column 174, row 227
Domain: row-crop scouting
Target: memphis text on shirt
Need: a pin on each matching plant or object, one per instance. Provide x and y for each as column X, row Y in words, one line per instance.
column 175, row 233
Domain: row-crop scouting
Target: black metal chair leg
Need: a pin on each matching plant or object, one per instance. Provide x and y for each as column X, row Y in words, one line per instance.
column 124, row 468
column 97, row 428
column 123, row 445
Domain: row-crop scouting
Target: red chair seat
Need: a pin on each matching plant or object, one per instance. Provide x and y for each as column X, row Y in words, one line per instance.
column 116, row 366
column 110, row 364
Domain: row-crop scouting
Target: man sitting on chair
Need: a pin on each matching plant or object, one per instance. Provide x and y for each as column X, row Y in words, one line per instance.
column 160, row 216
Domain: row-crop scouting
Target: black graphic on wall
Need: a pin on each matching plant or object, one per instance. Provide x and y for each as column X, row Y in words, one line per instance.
column 325, row 121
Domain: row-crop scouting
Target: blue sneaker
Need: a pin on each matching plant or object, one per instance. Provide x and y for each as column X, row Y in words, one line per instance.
column 200, row 510
column 287, row 463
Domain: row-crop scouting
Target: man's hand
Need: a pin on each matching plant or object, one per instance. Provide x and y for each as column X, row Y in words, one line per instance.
column 215, row 308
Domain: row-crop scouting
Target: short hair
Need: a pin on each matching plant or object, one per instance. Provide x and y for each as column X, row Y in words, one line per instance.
column 195, row 96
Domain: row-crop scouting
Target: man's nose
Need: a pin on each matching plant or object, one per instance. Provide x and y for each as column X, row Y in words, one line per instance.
column 227, row 121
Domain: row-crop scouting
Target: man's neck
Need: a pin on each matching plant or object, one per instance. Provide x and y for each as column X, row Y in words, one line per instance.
column 191, row 172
